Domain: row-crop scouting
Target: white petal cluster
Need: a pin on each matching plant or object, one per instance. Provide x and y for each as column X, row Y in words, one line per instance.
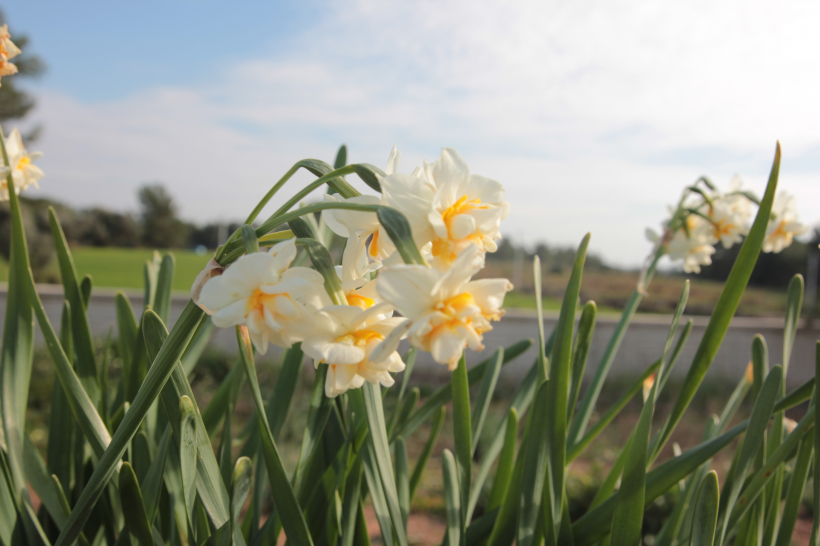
column 454, row 217
column 446, row 311
column 783, row 224
column 7, row 52
column 708, row 218
column 24, row 172
column 276, row 303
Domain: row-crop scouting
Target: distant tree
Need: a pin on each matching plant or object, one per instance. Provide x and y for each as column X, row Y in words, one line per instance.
column 160, row 226
column 101, row 227
column 14, row 102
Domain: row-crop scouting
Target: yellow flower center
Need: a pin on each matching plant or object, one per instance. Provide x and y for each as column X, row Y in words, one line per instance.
column 362, row 302
column 23, row 163
column 374, row 245
column 259, row 300
column 445, row 247
column 723, row 227
column 454, row 308
column 780, row 231
column 359, row 338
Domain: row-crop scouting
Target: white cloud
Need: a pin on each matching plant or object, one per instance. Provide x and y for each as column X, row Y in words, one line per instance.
column 594, row 114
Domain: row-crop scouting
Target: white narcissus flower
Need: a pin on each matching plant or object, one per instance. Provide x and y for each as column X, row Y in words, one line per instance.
column 7, row 51
column 447, row 207
column 446, row 311
column 359, row 290
column 783, row 224
column 260, row 292
column 359, row 226
column 730, row 216
column 693, row 248
column 24, row 172
column 343, row 337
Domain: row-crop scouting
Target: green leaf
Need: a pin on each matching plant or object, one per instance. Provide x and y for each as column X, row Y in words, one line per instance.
column 421, row 463
column 535, row 451
column 165, row 282
column 85, row 289
column 485, row 396
column 152, row 485
column 398, row 229
column 350, row 506
column 159, row 373
column 372, row 401
column 151, row 271
column 133, row 510
column 541, row 359
column 580, row 352
column 452, row 499
column 249, row 239
column 82, row 407
column 794, row 301
column 43, row 484
column 726, row 306
column 794, row 494
column 210, row 488
column 61, row 421
column 240, row 487
column 318, row 413
column 341, row 157
column 704, row 520
column 815, row 525
column 188, row 452
column 590, row 398
column 377, row 497
column 286, row 505
column 607, row 418
column 461, row 433
column 409, row 363
column 505, row 525
column 521, row 399
column 503, row 474
column 444, row 394
column 402, row 481
column 758, row 422
column 558, row 397
column 197, row 346
column 757, row 481
column 83, row 342
column 322, row 261
column 405, row 408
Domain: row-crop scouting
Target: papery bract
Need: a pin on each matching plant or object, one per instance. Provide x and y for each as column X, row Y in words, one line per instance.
column 446, row 311
column 260, row 292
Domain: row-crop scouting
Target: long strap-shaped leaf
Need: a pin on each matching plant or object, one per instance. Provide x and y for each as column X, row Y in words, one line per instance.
column 758, row 423
column 286, row 504
column 724, row 309
column 212, row 491
column 370, row 396
column 704, row 520
column 452, row 499
column 461, row 435
column 159, row 373
column 445, row 393
column 558, row 398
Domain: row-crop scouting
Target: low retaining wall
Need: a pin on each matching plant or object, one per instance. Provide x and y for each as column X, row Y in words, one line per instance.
column 642, row 345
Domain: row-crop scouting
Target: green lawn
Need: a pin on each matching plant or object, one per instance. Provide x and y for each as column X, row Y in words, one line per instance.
column 123, row 267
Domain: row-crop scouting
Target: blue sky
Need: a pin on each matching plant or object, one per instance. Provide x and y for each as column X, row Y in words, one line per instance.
column 593, row 114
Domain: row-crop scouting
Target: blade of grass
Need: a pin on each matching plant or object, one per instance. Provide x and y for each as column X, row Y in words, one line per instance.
column 794, row 493
column 534, row 480
column 402, row 481
column 188, row 452
column 580, row 352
